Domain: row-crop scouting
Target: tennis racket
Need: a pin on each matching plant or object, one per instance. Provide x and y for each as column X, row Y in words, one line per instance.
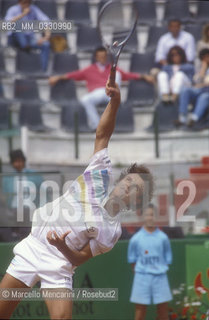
column 115, row 30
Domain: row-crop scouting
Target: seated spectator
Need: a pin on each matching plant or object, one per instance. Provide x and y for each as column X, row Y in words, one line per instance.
column 197, row 95
column 24, row 11
column 175, row 37
column 204, row 41
column 175, row 75
column 12, row 194
column 96, row 76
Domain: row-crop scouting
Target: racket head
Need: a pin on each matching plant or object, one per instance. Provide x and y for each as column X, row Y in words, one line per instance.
column 113, row 23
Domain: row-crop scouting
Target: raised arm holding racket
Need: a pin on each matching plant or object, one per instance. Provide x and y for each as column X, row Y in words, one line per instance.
column 82, row 223
column 111, row 25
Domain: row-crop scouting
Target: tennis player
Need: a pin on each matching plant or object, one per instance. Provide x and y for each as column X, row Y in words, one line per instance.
column 79, row 225
column 149, row 252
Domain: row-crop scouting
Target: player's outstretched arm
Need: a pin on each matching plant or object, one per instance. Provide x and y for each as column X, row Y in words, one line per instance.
column 107, row 122
column 75, row 257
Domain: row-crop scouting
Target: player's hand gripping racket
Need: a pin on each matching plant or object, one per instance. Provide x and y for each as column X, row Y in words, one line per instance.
column 115, row 31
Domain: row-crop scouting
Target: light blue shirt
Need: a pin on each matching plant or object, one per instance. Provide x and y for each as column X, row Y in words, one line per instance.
column 34, row 14
column 151, row 252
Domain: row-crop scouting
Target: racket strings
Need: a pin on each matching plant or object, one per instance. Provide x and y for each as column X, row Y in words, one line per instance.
column 113, row 24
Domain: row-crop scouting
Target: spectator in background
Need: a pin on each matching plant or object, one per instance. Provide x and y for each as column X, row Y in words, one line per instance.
column 198, row 95
column 96, row 76
column 175, row 37
column 204, row 41
column 11, row 191
column 25, row 11
column 175, row 75
column 150, row 253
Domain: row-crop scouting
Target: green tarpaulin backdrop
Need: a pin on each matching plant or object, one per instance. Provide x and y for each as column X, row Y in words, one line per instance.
column 112, row 271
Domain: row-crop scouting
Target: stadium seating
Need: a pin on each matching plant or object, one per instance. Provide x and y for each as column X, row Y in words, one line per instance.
column 63, row 92
column 26, row 90
column 3, row 99
column 153, row 36
column 125, row 119
column 78, row 12
column 2, row 64
column 88, row 39
column 5, row 5
column 177, row 9
column 140, row 93
column 30, row 116
column 64, row 62
column 146, row 10
column 142, row 62
column 166, row 114
column 29, row 64
column 4, row 115
column 102, row 2
column 195, row 30
column 49, row 7
column 132, row 44
column 68, row 115
column 1, row 91
column 202, row 12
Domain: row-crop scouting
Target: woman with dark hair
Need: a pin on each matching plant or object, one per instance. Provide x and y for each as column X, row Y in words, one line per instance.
column 178, row 73
column 203, row 43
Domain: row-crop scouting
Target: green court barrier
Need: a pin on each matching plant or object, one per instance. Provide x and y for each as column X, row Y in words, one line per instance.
column 112, row 271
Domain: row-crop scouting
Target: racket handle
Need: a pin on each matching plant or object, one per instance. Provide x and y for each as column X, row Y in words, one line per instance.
column 112, row 76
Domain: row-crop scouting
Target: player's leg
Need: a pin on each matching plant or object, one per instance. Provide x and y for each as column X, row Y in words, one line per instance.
column 59, row 308
column 140, row 312
column 162, row 311
column 7, row 307
column 56, row 286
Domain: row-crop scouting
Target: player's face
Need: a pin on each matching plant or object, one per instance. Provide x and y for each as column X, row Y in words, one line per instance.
column 174, row 27
column 18, row 165
column 101, row 57
column 129, row 190
column 149, row 217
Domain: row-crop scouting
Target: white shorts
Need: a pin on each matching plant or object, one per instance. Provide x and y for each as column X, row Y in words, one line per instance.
column 34, row 262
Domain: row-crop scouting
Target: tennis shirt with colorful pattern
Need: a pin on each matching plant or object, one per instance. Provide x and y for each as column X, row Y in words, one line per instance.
column 81, row 211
